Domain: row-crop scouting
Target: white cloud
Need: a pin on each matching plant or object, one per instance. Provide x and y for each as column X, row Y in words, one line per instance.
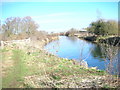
column 53, row 18
column 60, row 14
column 56, row 30
column 53, row 15
column 52, row 21
column 58, row 20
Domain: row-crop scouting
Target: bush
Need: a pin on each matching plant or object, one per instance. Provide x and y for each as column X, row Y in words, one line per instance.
column 71, row 32
column 102, row 27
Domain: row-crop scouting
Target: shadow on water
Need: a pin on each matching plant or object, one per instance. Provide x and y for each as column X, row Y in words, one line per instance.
column 110, row 55
column 72, row 39
column 97, row 53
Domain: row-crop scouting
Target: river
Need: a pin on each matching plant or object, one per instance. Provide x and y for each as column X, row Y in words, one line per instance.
column 96, row 55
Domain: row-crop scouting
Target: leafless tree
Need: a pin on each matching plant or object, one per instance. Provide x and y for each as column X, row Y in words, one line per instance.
column 29, row 26
column 17, row 25
column 111, row 57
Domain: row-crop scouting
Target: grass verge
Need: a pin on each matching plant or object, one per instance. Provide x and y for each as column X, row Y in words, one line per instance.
column 38, row 69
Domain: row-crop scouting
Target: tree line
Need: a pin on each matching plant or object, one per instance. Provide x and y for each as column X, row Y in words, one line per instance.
column 26, row 26
column 15, row 26
column 103, row 27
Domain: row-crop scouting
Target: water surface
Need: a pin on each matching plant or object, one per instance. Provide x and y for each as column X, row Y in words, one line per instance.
column 75, row 48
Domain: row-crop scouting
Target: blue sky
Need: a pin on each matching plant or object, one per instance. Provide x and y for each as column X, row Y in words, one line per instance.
column 61, row 16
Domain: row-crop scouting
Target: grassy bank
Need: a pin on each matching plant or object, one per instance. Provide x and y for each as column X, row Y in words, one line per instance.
column 31, row 67
column 111, row 40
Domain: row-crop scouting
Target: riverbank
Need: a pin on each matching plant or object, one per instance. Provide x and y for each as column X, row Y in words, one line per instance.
column 110, row 40
column 30, row 66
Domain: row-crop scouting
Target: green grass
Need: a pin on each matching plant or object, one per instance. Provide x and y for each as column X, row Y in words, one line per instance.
column 106, row 86
column 17, row 72
column 3, row 50
column 39, row 63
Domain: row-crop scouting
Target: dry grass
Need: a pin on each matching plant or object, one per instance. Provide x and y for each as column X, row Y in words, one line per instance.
column 34, row 68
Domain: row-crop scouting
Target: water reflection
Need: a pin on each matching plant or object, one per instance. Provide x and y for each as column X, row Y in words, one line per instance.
column 119, row 61
column 102, row 56
column 110, row 55
column 73, row 39
column 97, row 53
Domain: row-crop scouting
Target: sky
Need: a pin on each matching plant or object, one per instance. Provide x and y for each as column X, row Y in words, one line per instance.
column 60, row 0
column 61, row 16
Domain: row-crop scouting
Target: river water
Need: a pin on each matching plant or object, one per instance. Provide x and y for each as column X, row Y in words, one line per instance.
column 96, row 55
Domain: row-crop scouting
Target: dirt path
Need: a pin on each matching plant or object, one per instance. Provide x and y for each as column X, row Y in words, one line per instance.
column 14, row 76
